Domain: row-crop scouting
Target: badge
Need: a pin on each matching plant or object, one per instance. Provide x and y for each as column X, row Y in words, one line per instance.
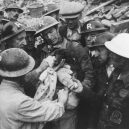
column 89, row 26
column 18, row 24
column 116, row 117
column 123, row 93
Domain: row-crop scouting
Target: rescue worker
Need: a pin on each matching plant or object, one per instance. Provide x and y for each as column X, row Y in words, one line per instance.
column 48, row 23
column 82, row 63
column 115, row 109
column 13, row 12
column 71, row 12
column 13, row 35
column 18, row 111
column 30, row 47
column 99, row 56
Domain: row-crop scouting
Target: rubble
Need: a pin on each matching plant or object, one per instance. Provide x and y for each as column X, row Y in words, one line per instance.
column 110, row 12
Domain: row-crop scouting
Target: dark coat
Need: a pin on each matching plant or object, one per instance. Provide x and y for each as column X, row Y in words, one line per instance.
column 115, row 109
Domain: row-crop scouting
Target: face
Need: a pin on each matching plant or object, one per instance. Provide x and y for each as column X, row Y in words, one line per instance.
column 18, row 41
column 51, row 35
column 72, row 23
column 30, row 40
column 116, row 60
column 100, row 54
column 13, row 14
column 90, row 38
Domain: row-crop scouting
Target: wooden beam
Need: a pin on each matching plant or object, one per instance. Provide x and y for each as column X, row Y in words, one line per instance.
column 102, row 5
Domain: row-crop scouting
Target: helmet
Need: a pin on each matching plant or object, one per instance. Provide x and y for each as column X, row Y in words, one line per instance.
column 119, row 45
column 48, row 22
column 13, row 6
column 101, row 39
column 93, row 26
column 11, row 29
column 71, row 9
column 50, row 8
column 30, row 30
column 15, row 62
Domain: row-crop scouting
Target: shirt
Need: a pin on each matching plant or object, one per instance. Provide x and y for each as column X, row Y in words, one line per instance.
column 110, row 69
column 18, row 111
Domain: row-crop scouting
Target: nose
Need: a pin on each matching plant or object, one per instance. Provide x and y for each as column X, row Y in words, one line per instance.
column 24, row 42
column 89, row 38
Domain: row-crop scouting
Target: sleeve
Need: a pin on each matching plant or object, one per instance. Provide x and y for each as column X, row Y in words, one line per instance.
column 84, row 60
column 31, row 110
column 33, row 76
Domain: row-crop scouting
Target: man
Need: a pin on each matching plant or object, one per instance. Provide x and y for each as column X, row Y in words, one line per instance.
column 94, row 35
column 30, row 47
column 71, row 12
column 18, row 111
column 13, row 12
column 13, row 36
column 99, row 56
column 82, row 64
column 114, row 113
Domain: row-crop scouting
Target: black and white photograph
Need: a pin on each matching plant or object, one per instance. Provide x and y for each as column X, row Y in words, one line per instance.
column 64, row 64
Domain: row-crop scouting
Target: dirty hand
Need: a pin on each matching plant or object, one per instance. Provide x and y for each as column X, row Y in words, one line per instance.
column 50, row 60
column 63, row 96
column 78, row 86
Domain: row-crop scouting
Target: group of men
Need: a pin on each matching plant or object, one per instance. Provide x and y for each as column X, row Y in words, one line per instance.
column 91, row 92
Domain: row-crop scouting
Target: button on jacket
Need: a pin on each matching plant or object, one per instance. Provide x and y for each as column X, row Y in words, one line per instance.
column 18, row 111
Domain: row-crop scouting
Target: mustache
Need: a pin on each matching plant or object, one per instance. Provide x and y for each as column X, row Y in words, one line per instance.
column 16, row 15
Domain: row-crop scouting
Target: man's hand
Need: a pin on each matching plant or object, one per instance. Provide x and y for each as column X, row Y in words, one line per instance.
column 63, row 96
column 50, row 60
column 77, row 87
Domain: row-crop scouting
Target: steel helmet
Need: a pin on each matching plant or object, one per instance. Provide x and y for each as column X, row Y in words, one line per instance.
column 93, row 26
column 47, row 22
column 14, row 6
column 51, row 8
column 11, row 29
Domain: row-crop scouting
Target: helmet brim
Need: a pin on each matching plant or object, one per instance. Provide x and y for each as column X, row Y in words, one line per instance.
column 9, row 9
column 53, row 11
column 21, row 72
column 95, row 30
column 109, row 45
column 45, row 28
column 10, row 36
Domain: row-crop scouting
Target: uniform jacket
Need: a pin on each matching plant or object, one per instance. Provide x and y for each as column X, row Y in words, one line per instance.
column 115, row 109
column 18, row 111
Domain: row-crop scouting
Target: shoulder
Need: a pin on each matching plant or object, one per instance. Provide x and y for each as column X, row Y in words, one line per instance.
column 63, row 30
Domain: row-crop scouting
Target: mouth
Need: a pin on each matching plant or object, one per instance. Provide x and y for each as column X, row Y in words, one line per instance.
column 55, row 40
